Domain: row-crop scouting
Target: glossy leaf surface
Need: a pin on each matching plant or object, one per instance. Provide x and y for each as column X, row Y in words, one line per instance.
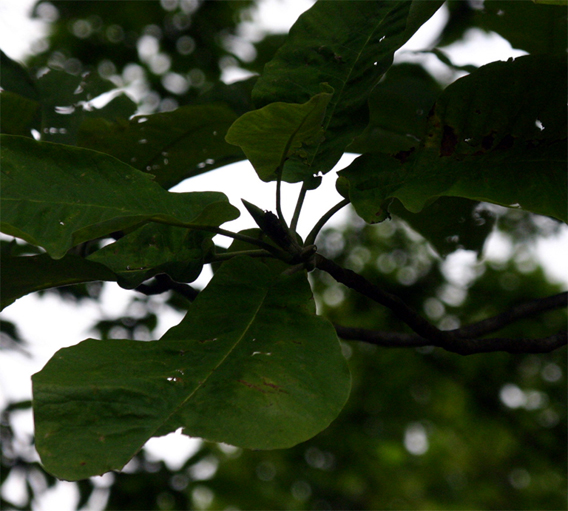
column 348, row 45
column 56, row 196
column 497, row 135
column 250, row 365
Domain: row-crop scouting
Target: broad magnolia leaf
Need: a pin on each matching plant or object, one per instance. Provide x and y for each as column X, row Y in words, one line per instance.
column 57, row 196
column 250, row 365
column 497, row 135
column 272, row 134
column 172, row 146
column 154, row 249
column 349, row 45
column 23, row 275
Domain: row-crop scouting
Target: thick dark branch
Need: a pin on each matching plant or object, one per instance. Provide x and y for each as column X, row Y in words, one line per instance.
column 393, row 302
column 463, row 340
column 463, row 347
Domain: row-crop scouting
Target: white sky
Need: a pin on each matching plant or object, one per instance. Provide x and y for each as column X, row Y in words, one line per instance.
column 41, row 320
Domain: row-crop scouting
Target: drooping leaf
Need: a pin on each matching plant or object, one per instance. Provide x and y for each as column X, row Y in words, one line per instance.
column 57, row 196
column 23, row 275
column 497, row 135
column 171, row 145
column 278, row 131
column 349, row 45
column 154, row 249
column 250, row 365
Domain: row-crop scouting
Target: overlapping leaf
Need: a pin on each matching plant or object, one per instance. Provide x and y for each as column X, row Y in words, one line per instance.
column 23, row 275
column 172, row 146
column 349, row 45
column 56, row 196
column 271, row 135
column 497, row 135
column 154, row 249
column 251, row 365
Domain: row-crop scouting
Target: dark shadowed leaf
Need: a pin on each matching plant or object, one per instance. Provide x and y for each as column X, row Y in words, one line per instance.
column 15, row 78
column 154, row 249
column 449, row 223
column 172, row 146
column 250, row 365
column 23, row 275
column 57, row 196
column 18, row 114
column 497, row 135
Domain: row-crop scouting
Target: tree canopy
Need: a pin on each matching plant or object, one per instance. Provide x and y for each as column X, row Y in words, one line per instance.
column 323, row 371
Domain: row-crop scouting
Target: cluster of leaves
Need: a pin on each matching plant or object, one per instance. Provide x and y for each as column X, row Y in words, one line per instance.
column 251, row 349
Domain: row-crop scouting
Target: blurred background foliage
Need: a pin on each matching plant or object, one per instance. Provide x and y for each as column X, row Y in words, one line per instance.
column 423, row 429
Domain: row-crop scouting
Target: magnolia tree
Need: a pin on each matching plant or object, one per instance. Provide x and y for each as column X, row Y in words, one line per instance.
column 251, row 364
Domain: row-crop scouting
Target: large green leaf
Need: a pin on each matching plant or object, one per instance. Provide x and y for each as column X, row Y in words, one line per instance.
column 154, row 249
column 250, row 365
column 271, row 135
column 57, row 196
column 23, row 275
column 172, row 145
column 349, row 45
column 497, row 135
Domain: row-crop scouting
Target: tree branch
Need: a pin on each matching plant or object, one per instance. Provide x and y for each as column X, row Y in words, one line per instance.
column 163, row 283
column 463, row 340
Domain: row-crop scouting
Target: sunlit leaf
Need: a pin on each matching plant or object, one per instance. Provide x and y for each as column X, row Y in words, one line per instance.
column 250, row 365
column 57, row 196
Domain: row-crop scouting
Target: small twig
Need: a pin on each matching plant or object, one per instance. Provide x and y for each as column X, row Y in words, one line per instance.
column 311, row 239
column 229, row 255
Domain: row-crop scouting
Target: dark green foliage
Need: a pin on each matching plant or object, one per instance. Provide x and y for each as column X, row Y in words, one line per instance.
column 251, row 364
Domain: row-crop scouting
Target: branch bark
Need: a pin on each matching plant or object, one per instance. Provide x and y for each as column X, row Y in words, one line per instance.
column 464, row 341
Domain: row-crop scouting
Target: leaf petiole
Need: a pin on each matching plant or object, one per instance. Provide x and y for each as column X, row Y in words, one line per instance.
column 323, row 220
